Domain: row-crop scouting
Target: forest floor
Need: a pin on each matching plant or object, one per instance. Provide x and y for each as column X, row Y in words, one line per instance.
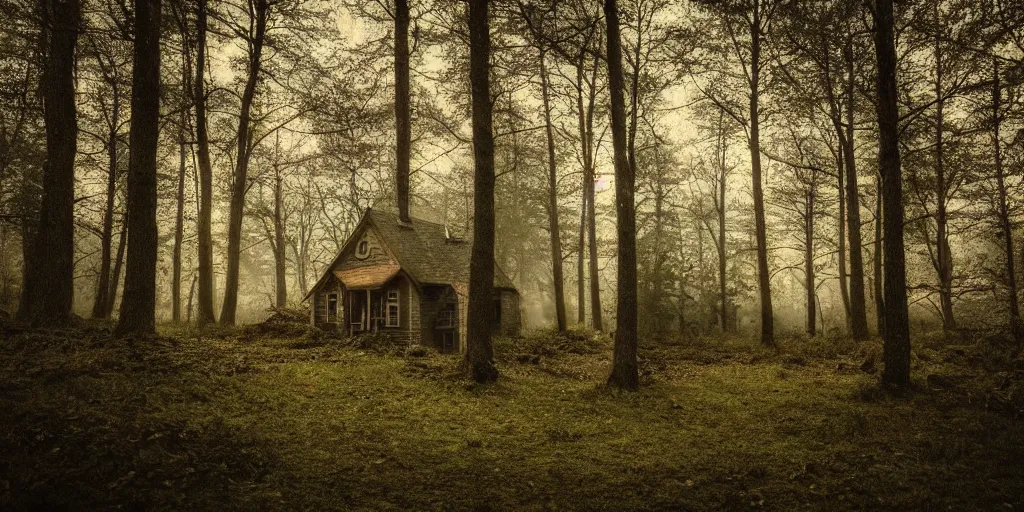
column 251, row 420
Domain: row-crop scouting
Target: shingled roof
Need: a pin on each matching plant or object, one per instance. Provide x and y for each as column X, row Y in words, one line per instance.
column 425, row 251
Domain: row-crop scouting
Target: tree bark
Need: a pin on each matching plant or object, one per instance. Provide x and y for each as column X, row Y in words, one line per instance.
column 812, row 321
column 280, row 280
column 557, row 279
column 115, row 275
column 402, row 116
column 595, row 279
column 1005, row 222
column 179, row 222
column 581, row 276
column 240, row 181
column 99, row 307
column 625, row 373
column 204, row 313
column 763, row 273
column 858, row 310
column 877, row 260
column 844, row 289
column 720, row 211
column 52, row 287
column 480, row 311
column 896, row 343
column 944, row 256
column 138, row 305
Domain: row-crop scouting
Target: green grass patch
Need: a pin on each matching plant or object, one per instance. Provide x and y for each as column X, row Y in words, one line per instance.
column 217, row 419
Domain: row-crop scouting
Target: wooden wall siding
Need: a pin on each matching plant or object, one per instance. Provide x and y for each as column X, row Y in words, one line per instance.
column 319, row 302
column 432, row 300
column 412, row 303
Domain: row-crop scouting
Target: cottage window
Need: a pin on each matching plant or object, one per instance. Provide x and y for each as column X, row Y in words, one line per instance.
column 392, row 316
column 332, row 307
column 363, row 249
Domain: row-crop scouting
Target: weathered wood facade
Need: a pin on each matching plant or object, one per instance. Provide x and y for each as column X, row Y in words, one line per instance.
column 407, row 280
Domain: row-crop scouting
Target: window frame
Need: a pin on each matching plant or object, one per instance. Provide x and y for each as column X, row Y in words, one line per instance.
column 331, row 316
column 393, row 302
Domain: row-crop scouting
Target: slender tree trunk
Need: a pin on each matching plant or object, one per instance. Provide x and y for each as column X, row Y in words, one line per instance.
column 556, row 240
column 99, row 307
column 138, row 306
column 585, row 140
column 877, row 260
column 625, row 374
column 204, row 312
column 720, row 210
column 191, row 297
column 581, row 276
column 812, row 322
column 402, row 117
column 944, row 259
column 844, row 289
column 480, row 311
column 240, row 181
column 179, row 226
column 595, row 279
column 280, row 283
column 858, row 310
column 52, row 287
column 115, row 275
column 29, row 228
column 897, row 329
column 763, row 273
column 1005, row 222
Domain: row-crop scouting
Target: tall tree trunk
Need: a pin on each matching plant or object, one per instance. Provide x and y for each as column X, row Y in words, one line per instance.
column 480, row 311
column 844, row 289
column 115, row 275
column 29, row 228
column 877, row 260
column 179, row 223
column 896, row 343
column 240, row 181
column 553, row 227
column 204, row 234
column 944, row 257
column 720, row 210
column 402, row 117
column 625, row 373
column 280, row 284
column 763, row 273
column 581, row 276
column 52, row 287
column 595, row 279
column 858, row 310
column 1005, row 222
column 99, row 307
column 812, row 321
column 138, row 305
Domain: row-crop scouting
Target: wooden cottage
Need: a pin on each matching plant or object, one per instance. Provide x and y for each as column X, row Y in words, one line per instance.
column 408, row 280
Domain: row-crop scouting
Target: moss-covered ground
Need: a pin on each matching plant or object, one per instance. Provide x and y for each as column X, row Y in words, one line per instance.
column 237, row 421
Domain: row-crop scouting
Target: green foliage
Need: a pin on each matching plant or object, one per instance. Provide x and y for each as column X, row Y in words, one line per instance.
column 549, row 343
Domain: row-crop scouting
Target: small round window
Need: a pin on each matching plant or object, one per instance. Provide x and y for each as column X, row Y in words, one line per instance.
column 363, row 249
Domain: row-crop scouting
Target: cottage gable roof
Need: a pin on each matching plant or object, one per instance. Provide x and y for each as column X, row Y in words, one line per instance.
column 426, row 252
column 423, row 249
